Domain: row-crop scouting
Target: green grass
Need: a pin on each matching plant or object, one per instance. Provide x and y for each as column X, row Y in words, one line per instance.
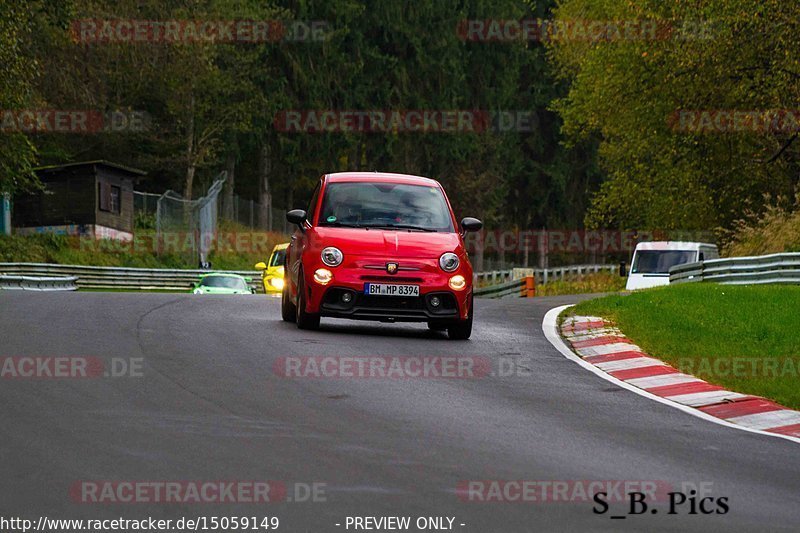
column 745, row 338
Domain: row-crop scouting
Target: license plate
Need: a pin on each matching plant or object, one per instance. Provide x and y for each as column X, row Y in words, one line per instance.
column 391, row 289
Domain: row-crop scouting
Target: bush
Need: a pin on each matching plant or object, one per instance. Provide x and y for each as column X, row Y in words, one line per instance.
column 776, row 231
column 144, row 220
column 40, row 248
column 587, row 284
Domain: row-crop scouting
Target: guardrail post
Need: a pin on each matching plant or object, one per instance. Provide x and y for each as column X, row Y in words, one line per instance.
column 529, row 289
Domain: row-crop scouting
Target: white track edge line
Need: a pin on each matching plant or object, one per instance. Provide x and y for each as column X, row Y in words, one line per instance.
column 550, row 329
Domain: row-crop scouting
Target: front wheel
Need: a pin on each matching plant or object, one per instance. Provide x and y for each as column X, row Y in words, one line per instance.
column 462, row 329
column 288, row 311
column 304, row 320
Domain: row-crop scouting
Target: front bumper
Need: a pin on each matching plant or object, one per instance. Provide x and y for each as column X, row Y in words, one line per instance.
column 270, row 288
column 389, row 308
column 272, row 277
column 330, row 301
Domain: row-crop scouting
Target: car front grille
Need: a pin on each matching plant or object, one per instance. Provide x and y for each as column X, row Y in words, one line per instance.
column 392, row 279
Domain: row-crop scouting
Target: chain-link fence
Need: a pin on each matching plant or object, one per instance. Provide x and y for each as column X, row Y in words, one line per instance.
column 192, row 223
column 145, row 207
column 253, row 215
column 196, row 227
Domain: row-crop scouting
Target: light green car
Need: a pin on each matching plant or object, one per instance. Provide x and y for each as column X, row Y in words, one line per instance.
column 222, row 283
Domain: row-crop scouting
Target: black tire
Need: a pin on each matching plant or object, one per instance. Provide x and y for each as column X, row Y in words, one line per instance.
column 288, row 311
column 463, row 329
column 304, row 320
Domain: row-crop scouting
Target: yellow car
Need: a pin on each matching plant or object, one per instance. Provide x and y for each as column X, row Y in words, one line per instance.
column 272, row 271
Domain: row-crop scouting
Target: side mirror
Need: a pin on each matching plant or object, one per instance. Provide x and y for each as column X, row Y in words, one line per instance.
column 471, row 224
column 261, row 265
column 296, row 216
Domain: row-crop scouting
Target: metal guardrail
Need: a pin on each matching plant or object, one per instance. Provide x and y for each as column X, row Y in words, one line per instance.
column 501, row 290
column 492, row 284
column 542, row 275
column 522, row 281
column 762, row 269
column 38, row 283
column 96, row 277
column 493, row 277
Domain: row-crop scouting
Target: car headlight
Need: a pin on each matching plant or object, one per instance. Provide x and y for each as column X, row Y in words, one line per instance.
column 449, row 262
column 276, row 282
column 457, row 282
column 323, row 276
column 332, row 256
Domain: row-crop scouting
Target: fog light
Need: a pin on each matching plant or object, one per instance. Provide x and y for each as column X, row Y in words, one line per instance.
column 347, row 297
column 457, row 282
column 277, row 283
column 323, row 276
column 435, row 301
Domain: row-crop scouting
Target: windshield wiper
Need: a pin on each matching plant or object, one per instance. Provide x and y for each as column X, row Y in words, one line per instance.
column 400, row 226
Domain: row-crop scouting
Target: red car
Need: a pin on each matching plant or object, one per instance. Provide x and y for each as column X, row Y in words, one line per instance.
column 378, row 246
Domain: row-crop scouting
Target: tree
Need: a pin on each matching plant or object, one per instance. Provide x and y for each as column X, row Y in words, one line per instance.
column 707, row 55
column 18, row 69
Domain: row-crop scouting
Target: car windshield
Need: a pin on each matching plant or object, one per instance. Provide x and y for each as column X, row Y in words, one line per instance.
column 277, row 258
column 226, row 282
column 385, row 205
column 660, row 261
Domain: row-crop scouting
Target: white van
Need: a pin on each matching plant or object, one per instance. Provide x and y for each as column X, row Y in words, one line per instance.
column 652, row 260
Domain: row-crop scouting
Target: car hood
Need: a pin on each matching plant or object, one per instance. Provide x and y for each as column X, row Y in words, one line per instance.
column 389, row 243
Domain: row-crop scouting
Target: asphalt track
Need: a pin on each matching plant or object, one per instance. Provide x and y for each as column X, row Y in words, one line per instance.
column 208, row 406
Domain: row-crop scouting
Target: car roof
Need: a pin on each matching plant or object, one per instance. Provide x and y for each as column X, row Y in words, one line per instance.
column 281, row 246
column 226, row 274
column 673, row 245
column 383, row 177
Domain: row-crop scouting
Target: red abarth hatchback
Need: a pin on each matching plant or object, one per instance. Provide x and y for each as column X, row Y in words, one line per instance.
column 379, row 246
